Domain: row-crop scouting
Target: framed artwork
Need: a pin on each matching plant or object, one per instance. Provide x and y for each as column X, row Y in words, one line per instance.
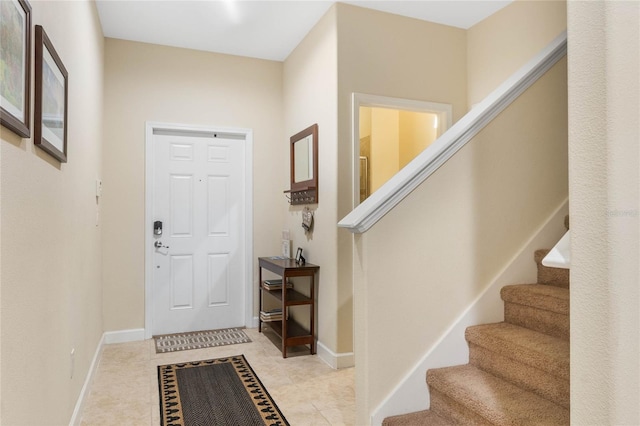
column 50, row 118
column 15, row 66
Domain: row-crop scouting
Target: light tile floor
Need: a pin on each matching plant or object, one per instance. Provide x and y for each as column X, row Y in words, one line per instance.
column 307, row 391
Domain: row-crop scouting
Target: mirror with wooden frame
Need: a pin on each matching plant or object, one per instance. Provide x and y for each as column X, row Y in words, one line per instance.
column 304, row 166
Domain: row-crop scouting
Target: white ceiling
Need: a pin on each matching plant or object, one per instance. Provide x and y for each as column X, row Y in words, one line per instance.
column 265, row 29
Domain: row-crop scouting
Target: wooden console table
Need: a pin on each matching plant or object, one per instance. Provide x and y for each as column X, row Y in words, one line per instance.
column 290, row 332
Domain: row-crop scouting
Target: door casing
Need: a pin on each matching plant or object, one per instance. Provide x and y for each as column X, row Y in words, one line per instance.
column 247, row 134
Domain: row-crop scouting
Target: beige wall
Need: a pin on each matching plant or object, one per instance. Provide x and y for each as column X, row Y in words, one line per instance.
column 416, row 133
column 145, row 82
column 385, row 145
column 499, row 45
column 397, row 137
column 51, row 246
column 604, row 106
column 310, row 87
column 365, row 122
column 471, row 216
column 437, row 250
column 386, row 55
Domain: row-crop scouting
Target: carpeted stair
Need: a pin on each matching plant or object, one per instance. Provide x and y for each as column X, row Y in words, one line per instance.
column 518, row 371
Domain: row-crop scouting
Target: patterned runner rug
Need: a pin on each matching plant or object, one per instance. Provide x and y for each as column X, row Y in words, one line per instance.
column 223, row 391
column 199, row 339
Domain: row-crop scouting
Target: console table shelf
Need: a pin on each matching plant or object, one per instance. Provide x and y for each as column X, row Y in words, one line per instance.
column 290, row 332
column 292, row 296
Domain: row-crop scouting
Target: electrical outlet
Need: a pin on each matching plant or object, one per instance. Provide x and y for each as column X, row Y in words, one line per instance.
column 73, row 361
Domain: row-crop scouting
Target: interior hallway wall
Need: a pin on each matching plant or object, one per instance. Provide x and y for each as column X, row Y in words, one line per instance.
column 385, row 146
column 417, row 132
column 385, row 55
column 51, row 243
column 310, row 87
column 604, row 186
column 499, row 45
column 145, row 82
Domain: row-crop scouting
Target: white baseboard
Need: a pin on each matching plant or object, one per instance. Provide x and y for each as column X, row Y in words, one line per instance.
column 335, row 361
column 75, row 417
column 120, row 336
column 412, row 394
column 254, row 324
column 123, row 336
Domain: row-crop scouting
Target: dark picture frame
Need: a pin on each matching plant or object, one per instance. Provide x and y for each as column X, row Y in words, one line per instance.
column 298, row 255
column 51, row 98
column 15, row 62
column 304, row 166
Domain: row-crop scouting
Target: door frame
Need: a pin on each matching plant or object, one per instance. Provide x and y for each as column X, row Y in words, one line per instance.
column 444, row 112
column 247, row 174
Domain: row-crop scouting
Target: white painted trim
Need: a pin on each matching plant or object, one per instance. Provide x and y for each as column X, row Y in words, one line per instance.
column 335, row 360
column 124, row 336
column 77, row 411
column 560, row 255
column 417, row 171
column 412, row 394
column 248, row 228
column 375, row 101
column 150, row 126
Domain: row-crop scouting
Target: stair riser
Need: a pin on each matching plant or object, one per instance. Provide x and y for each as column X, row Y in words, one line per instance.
column 451, row 410
column 547, row 322
column 535, row 380
column 548, row 354
column 553, row 276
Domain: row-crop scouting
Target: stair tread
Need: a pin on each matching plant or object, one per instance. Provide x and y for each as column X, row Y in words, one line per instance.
column 539, row 350
column 425, row 417
column 494, row 399
column 540, row 296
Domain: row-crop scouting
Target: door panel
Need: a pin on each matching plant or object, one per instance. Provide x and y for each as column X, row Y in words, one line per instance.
column 218, row 279
column 198, row 278
column 181, row 282
column 218, row 206
column 181, row 205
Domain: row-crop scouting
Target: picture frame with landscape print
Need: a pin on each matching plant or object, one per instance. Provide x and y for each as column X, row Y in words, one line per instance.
column 51, row 84
column 15, row 66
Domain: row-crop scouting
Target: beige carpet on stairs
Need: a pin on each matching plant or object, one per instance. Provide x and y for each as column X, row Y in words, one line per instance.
column 518, row 371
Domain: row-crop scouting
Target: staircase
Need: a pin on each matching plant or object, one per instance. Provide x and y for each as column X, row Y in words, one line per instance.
column 518, row 370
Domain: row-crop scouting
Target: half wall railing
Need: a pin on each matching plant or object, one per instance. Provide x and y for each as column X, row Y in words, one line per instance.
column 371, row 210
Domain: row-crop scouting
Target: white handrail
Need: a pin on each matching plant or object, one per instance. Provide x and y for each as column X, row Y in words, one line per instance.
column 365, row 215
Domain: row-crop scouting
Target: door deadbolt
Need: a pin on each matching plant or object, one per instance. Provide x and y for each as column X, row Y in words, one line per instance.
column 157, row 227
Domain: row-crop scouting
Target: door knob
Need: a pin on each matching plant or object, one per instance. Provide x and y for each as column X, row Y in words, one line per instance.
column 158, row 244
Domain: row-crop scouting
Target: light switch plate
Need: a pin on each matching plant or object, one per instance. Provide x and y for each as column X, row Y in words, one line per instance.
column 286, row 248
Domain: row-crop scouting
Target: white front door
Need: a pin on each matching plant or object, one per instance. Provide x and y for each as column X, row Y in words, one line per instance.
column 198, row 275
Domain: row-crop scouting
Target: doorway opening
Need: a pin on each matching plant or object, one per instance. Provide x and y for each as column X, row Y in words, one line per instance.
column 388, row 133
